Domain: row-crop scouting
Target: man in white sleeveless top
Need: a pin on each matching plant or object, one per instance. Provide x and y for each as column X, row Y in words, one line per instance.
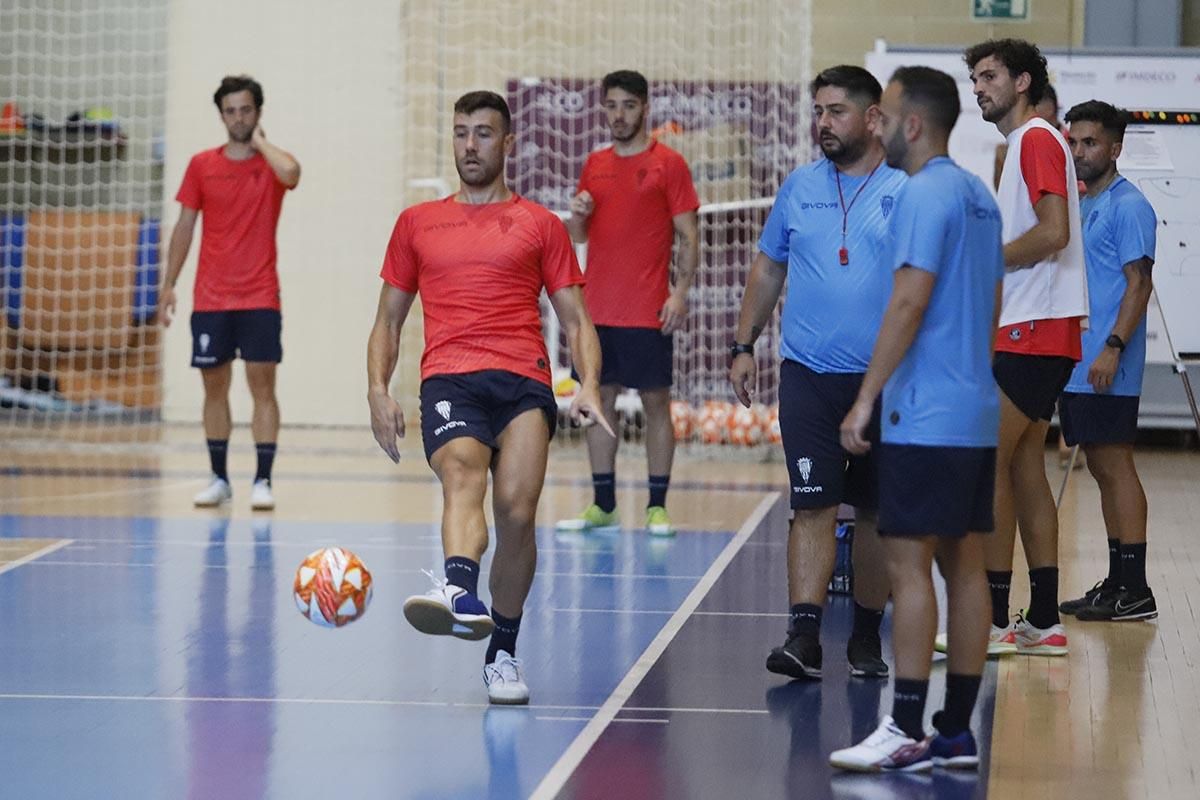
column 1044, row 308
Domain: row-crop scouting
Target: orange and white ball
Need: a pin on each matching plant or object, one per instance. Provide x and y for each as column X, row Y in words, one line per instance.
column 713, row 421
column 682, row 419
column 746, row 425
column 333, row 587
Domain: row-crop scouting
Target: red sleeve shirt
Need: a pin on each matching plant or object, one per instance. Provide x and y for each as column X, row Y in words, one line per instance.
column 631, row 230
column 239, row 203
column 1044, row 168
column 1043, row 164
column 480, row 271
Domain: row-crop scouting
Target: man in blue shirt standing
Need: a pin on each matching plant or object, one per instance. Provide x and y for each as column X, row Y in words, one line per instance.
column 827, row 236
column 940, row 425
column 1099, row 408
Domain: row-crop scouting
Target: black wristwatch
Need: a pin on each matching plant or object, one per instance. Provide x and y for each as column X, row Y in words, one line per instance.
column 736, row 349
column 1115, row 341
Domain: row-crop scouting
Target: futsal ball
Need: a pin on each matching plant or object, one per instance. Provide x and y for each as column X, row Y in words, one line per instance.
column 682, row 420
column 774, row 436
column 333, row 587
column 745, row 426
column 713, row 420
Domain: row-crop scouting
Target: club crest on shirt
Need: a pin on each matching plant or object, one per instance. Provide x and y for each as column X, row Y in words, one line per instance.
column 886, row 204
column 641, row 176
column 506, row 223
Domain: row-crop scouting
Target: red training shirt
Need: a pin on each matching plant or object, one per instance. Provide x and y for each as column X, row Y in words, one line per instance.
column 240, row 202
column 480, row 270
column 1044, row 168
column 631, row 230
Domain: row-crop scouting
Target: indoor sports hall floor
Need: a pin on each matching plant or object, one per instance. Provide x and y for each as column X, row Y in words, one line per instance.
column 150, row 650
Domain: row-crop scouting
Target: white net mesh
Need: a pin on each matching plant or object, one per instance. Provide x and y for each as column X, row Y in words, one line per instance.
column 728, row 90
column 82, row 83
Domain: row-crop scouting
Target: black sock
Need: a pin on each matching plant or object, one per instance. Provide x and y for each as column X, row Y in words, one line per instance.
column 999, row 583
column 658, row 490
column 1133, row 566
column 463, row 573
column 604, row 484
column 504, row 637
column 908, row 706
column 217, row 450
column 806, row 619
column 266, row 459
column 961, row 691
column 866, row 622
column 1114, row 564
column 1043, row 597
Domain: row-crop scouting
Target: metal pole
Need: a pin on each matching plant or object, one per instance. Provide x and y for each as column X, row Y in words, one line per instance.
column 1180, row 367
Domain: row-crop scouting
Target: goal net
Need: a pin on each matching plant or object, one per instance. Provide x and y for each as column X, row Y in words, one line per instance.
column 728, row 85
column 82, row 89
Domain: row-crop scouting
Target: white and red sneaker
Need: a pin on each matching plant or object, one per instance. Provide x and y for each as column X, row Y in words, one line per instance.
column 888, row 749
column 1033, row 641
column 1001, row 641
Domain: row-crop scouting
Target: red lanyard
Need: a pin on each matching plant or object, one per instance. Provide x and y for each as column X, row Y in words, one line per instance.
column 844, row 254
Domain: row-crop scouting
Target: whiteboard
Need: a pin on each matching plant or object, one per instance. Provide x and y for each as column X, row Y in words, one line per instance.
column 1163, row 160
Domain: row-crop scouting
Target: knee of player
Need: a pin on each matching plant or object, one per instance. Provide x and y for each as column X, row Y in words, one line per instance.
column 515, row 510
column 655, row 401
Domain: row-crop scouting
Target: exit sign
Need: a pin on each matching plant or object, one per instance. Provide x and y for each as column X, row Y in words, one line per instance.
column 992, row 10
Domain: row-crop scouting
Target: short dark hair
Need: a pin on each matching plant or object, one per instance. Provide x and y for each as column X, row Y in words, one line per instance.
column 1050, row 94
column 631, row 81
column 471, row 102
column 1111, row 118
column 857, row 82
column 232, row 84
column 934, row 91
column 1019, row 56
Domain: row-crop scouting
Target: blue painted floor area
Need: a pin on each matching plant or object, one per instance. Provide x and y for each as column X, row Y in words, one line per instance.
column 165, row 658
column 747, row 733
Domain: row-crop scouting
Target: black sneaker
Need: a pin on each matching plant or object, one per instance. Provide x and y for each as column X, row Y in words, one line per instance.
column 1090, row 597
column 798, row 657
column 865, row 654
column 1123, row 606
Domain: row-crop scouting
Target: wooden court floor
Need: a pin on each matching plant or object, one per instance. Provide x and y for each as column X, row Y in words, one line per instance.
column 1112, row 720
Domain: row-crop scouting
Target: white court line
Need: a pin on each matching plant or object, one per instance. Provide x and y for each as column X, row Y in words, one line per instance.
column 333, row 701
column 588, row 719
column 646, row 611
column 50, row 548
column 153, row 564
column 562, row 770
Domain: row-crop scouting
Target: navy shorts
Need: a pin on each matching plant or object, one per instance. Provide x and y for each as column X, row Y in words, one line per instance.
column 221, row 336
column 812, row 406
column 1032, row 383
column 1098, row 418
column 479, row 405
column 636, row 358
column 935, row 491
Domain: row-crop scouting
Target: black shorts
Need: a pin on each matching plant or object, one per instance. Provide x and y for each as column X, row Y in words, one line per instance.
column 636, row 358
column 1032, row 383
column 812, row 406
column 935, row 491
column 1098, row 418
column 221, row 336
column 479, row 405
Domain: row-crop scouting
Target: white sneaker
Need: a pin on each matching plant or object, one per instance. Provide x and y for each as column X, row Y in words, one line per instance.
column 261, row 498
column 1001, row 641
column 504, row 681
column 217, row 492
column 448, row 610
column 887, row 749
